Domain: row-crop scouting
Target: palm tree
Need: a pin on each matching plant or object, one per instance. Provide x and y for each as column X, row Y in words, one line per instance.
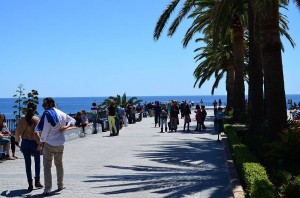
column 270, row 45
column 217, row 62
column 219, row 19
column 118, row 100
column 222, row 12
column 255, row 92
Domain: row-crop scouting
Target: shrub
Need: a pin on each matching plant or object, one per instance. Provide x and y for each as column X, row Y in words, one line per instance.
column 257, row 182
column 253, row 175
column 291, row 188
column 283, row 153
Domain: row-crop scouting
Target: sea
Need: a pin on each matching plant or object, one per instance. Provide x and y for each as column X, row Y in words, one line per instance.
column 71, row 105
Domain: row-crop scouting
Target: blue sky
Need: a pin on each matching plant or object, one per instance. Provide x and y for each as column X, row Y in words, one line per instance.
column 69, row 48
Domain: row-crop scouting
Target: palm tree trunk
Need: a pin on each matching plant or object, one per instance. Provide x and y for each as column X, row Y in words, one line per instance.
column 255, row 94
column 273, row 71
column 238, row 50
column 230, row 87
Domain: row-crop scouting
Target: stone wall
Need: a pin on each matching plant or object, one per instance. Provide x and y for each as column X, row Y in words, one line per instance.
column 76, row 132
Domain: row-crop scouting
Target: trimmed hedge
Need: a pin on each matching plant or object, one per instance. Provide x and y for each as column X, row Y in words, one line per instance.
column 253, row 174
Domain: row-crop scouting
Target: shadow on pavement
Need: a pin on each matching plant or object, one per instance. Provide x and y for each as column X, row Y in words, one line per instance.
column 18, row 193
column 184, row 168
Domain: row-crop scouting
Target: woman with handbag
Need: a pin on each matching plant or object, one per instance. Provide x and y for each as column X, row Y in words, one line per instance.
column 30, row 140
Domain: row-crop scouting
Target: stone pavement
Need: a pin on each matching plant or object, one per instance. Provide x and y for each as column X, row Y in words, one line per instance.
column 141, row 162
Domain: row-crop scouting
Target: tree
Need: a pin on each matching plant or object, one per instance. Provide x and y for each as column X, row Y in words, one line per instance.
column 270, row 45
column 217, row 16
column 217, row 62
column 118, row 100
column 256, row 108
column 19, row 107
column 32, row 96
column 22, row 101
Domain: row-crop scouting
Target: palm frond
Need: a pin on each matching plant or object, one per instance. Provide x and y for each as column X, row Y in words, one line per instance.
column 188, row 5
column 163, row 19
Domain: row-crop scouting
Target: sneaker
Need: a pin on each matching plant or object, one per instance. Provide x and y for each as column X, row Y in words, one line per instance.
column 46, row 192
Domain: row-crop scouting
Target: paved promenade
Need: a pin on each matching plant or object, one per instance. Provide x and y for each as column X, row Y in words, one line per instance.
column 141, row 162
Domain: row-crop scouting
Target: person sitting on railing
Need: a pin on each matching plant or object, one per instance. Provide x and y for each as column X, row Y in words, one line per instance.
column 5, row 138
column 78, row 119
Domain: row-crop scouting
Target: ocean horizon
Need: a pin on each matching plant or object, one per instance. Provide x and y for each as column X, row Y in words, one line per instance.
column 72, row 105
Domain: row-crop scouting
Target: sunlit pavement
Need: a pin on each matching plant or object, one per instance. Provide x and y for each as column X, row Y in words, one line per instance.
column 140, row 162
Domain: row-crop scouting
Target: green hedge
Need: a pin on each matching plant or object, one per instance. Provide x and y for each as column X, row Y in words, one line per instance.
column 253, row 174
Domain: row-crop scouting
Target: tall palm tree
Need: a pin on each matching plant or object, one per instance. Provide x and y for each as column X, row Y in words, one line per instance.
column 219, row 17
column 270, row 45
column 255, row 92
column 220, row 20
column 218, row 62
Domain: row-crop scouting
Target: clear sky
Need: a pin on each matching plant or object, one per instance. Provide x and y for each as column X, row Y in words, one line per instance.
column 69, row 48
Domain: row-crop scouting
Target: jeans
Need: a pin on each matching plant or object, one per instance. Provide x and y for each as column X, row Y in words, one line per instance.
column 162, row 122
column 124, row 120
column 157, row 119
column 29, row 147
column 94, row 124
column 49, row 152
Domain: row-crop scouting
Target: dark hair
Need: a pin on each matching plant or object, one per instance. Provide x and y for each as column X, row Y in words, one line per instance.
column 197, row 106
column 31, row 108
column 94, row 104
column 4, row 118
column 50, row 101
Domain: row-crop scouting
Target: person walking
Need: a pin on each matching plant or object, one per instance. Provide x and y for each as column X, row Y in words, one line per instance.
column 203, row 116
column 157, row 111
column 25, row 130
column 111, row 112
column 174, row 116
column 53, row 123
column 123, row 115
column 220, row 102
column 198, row 118
column 94, row 111
column 201, row 102
column 164, row 118
column 187, row 117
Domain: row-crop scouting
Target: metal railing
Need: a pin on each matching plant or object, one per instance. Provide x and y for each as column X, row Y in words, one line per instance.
column 11, row 124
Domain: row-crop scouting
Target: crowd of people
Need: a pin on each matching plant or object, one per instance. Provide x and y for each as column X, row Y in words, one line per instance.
column 45, row 135
column 166, row 115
